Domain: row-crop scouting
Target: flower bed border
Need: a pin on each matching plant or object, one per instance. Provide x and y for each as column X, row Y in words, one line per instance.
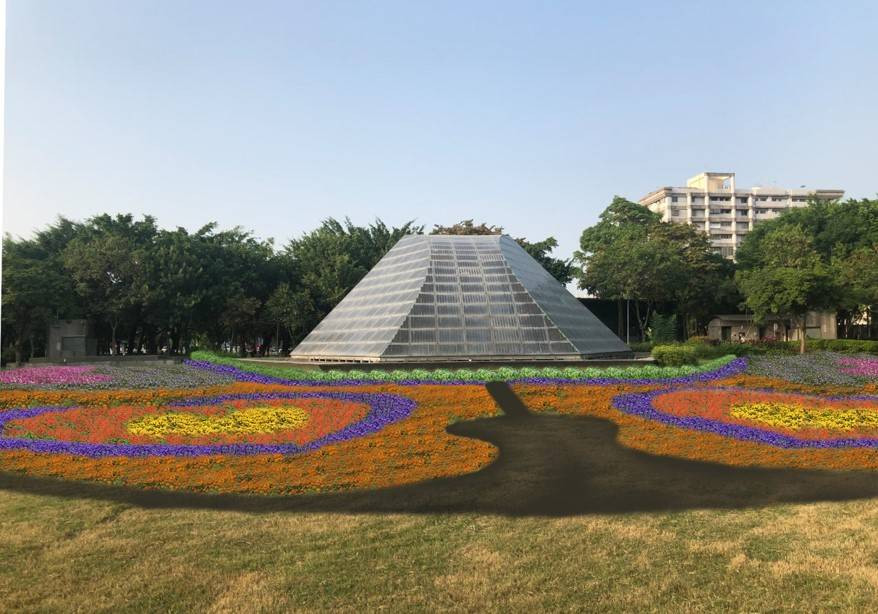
column 733, row 367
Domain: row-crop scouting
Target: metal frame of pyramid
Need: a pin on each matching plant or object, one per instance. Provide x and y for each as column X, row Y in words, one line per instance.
column 448, row 298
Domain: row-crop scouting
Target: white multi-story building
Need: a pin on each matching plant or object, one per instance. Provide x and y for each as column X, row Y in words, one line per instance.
column 711, row 202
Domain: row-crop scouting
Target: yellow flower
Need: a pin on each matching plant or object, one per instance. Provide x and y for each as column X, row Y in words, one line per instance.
column 796, row 417
column 243, row 421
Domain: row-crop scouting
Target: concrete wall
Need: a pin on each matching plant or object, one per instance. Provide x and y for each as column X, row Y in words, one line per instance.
column 820, row 325
column 70, row 339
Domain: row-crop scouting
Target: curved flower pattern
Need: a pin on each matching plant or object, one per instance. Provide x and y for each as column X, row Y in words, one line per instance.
column 384, row 409
column 713, row 411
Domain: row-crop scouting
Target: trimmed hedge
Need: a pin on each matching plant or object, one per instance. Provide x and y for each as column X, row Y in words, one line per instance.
column 674, row 355
column 844, row 346
column 705, row 349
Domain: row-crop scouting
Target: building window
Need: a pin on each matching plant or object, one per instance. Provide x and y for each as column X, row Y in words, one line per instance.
column 673, row 199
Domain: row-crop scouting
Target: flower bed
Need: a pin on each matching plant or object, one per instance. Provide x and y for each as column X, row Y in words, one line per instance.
column 816, row 368
column 110, row 376
column 414, row 448
column 97, row 432
column 61, row 376
column 860, row 366
column 779, row 419
column 270, row 419
column 264, row 432
column 664, row 439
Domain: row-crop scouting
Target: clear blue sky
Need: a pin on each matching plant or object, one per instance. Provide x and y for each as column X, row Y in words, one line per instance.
column 274, row 116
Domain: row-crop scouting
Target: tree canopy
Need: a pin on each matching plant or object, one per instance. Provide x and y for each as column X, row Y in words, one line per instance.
column 790, row 279
column 630, row 254
column 842, row 245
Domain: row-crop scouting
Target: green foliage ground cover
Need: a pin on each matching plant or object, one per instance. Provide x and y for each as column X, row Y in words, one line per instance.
column 500, row 374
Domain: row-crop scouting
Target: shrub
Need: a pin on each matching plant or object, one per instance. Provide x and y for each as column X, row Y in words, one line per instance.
column 674, row 355
column 641, row 346
column 700, row 340
column 705, row 347
column 844, row 346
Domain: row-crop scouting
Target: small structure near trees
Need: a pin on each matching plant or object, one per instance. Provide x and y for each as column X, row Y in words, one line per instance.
column 70, row 339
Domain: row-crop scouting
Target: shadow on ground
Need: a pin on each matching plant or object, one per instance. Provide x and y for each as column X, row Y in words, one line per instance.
column 548, row 466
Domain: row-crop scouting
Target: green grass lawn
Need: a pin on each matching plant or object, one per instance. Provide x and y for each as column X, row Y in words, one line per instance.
column 713, row 539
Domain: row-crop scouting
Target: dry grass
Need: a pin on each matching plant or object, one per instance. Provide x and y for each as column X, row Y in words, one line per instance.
column 77, row 554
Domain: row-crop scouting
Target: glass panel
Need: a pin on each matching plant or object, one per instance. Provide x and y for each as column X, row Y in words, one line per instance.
column 410, row 305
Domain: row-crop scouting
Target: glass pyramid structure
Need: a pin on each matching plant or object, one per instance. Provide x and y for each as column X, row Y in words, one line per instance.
column 435, row 298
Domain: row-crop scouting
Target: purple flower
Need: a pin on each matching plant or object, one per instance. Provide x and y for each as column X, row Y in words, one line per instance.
column 384, row 409
column 641, row 404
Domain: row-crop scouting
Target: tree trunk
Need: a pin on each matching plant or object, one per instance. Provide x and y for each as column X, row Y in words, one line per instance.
column 114, row 349
column 642, row 322
column 173, row 339
column 802, row 328
column 620, row 317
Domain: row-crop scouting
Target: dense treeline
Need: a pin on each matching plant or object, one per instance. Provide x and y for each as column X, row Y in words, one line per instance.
column 148, row 289
column 631, row 256
column 824, row 256
column 820, row 257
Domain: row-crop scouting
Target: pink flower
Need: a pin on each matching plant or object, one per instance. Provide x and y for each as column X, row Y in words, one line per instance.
column 867, row 367
column 28, row 376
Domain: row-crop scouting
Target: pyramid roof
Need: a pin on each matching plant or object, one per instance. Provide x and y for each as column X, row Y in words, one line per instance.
column 458, row 297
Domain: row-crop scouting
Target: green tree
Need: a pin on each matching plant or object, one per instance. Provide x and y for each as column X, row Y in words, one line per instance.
column 838, row 230
column 106, row 262
column 292, row 309
column 708, row 285
column 27, row 293
column 560, row 269
column 857, row 276
column 630, row 254
column 466, row 227
column 789, row 280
